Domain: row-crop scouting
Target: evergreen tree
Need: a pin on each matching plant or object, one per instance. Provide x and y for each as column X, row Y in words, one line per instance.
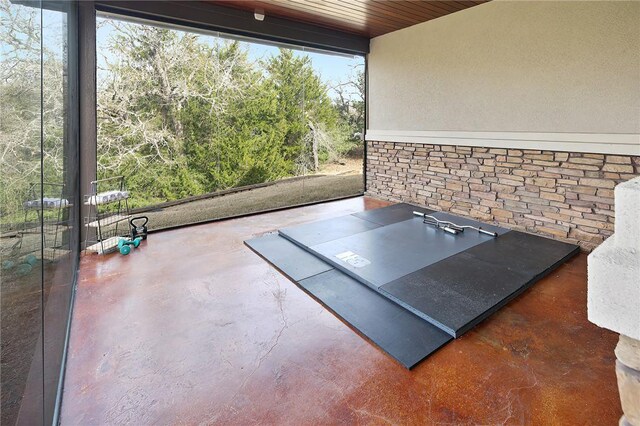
column 305, row 107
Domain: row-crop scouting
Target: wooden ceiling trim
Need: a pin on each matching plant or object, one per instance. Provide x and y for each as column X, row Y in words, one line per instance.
column 327, row 11
column 369, row 18
column 335, row 9
column 297, row 15
column 466, row 3
column 398, row 7
column 368, row 7
column 381, row 11
column 448, row 6
column 425, row 12
column 434, row 9
column 369, row 23
column 410, row 15
column 381, row 15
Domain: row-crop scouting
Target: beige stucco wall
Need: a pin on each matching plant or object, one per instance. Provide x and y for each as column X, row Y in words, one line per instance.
column 512, row 66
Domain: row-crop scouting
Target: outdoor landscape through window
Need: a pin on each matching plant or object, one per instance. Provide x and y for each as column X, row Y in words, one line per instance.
column 205, row 126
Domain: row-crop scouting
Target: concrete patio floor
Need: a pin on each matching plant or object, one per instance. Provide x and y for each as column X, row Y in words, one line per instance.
column 194, row 328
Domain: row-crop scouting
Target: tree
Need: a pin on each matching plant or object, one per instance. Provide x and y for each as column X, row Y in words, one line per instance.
column 181, row 114
column 305, row 105
column 350, row 102
column 24, row 63
column 178, row 113
column 245, row 143
column 163, row 94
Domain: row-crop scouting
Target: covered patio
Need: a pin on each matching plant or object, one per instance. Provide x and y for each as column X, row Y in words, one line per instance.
column 198, row 329
column 450, row 233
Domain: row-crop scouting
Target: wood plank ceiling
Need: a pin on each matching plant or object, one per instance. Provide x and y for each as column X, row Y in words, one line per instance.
column 369, row 18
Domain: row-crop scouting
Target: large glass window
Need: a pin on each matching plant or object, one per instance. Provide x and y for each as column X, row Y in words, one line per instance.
column 203, row 126
column 38, row 205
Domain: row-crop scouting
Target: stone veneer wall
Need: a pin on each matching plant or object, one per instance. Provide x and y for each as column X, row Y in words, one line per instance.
column 564, row 195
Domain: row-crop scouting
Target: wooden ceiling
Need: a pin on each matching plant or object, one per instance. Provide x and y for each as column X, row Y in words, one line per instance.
column 369, row 18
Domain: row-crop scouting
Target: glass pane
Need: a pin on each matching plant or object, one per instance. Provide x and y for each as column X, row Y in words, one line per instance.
column 60, row 233
column 21, row 214
column 206, row 126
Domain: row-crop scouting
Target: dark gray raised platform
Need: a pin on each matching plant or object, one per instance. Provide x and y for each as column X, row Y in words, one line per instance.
column 406, row 337
column 452, row 281
column 310, row 234
column 460, row 291
column 393, row 251
column 398, row 332
column 391, row 214
column 294, row 262
column 407, row 286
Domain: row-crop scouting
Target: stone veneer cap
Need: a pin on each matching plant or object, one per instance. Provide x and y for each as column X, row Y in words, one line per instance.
column 613, row 298
column 627, row 211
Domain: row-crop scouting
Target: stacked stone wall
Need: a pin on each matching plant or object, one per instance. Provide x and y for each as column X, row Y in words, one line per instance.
column 564, row 195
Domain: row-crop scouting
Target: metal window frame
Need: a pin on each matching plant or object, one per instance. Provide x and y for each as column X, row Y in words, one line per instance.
column 206, row 16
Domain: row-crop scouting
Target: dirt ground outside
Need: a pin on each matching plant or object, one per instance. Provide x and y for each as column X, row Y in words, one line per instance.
column 280, row 194
column 335, row 180
column 332, row 181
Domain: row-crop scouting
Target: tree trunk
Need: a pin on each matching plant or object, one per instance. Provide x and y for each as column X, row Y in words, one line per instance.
column 171, row 107
column 314, row 147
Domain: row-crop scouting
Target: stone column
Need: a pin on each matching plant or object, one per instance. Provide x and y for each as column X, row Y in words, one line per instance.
column 628, row 372
column 614, row 294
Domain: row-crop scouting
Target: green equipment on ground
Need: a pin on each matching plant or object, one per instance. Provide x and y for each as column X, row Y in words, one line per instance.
column 124, row 245
column 7, row 265
column 22, row 267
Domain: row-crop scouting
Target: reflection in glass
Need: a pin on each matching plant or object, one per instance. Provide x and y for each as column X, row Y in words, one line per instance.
column 38, row 209
column 60, row 163
column 21, row 214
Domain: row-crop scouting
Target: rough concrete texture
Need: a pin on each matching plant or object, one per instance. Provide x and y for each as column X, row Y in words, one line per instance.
column 629, row 388
column 614, row 268
column 628, row 352
column 613, row 299
column 628, row 374
column 627, row 196
column 195, row 328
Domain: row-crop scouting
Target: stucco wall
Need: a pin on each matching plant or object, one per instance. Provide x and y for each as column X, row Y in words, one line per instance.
column 512, row 66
